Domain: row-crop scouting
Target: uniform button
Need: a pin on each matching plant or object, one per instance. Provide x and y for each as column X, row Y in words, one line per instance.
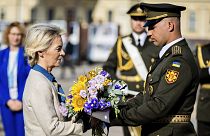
column 202, row 98
column 152, row 60
column 149, row 75
column 150, row 90
column 150, row 80
column 158, row 135
column 137, row 86
column 150, row 68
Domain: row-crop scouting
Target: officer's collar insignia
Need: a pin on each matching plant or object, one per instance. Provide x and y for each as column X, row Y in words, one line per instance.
column 167, row 54
column 176, row 50
column 138, row 10
column 171, row 76
column 176, row 64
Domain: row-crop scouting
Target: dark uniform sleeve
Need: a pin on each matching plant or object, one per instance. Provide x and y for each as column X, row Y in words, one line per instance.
column 135, row 101
column 204, row 75
column 164, row 98
column 111, row 64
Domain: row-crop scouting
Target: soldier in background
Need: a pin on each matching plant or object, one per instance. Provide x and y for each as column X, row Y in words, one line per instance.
column 203, row 121
column 131, row 58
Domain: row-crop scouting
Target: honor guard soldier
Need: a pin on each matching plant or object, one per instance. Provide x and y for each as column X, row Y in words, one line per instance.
column 203, row 119
column 171, row 83
column 132, row 56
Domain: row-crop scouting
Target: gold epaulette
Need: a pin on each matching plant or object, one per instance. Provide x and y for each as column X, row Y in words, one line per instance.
column 202, row 63
column 120, row 55
column 205, row 86
column 176, row 50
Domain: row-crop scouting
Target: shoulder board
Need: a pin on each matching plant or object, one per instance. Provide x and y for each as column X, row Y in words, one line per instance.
column 176, row 50
column 126, row 36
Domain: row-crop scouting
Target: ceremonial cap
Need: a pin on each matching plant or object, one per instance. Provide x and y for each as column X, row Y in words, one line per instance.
column 156, row 12
column 135, row 10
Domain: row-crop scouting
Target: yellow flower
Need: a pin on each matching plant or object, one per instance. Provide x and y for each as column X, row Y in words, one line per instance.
column 82, row 79
column 91, row 74
column 68, row 100
column 106, row 82
column 77, row 87
column 78, row 103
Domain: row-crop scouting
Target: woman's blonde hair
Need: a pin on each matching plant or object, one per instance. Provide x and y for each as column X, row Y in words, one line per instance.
column 39, row 37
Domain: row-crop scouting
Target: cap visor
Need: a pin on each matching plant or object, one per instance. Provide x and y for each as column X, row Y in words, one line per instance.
column 152, row 22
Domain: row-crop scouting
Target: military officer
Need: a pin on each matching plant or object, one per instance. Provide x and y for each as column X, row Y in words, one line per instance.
column 132, row 56
column 203, row 121
column 171, row 84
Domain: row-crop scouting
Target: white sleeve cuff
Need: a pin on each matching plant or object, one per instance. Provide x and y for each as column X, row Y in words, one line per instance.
column 209, row 70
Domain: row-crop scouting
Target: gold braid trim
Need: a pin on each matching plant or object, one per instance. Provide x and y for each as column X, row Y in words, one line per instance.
column 200, row 58
column 125, row 55
column 128, row 64
column 205, row 86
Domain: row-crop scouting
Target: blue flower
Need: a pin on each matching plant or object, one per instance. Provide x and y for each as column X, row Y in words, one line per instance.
column 103, row 73
column 70, row 96
column 94, row 103
column 117, row 87
column 108, row 104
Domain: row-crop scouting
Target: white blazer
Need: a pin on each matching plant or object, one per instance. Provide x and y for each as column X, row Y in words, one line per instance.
column 41, row 109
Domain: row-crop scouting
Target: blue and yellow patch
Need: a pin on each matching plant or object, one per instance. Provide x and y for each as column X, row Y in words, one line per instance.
column 176, row 64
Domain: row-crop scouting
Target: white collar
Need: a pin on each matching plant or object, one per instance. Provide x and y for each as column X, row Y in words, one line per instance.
column 167, row 46
column 142, row 37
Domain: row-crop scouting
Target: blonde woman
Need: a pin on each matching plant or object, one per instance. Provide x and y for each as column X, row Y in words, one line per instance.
column 40, row 99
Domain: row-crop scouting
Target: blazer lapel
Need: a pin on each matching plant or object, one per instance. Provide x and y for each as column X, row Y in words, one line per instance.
column 55, row 94
column 166, row 54
column 5, row 61
column 20, row 62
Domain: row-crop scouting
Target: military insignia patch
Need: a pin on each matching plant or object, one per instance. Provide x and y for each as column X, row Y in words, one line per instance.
column 176, row 64
column 171, row 76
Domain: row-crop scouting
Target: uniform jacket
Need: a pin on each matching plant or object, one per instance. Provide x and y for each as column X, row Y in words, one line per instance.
column 22, row 73
column 203, row 56
column 149, row 53
column 170, row 89
column 41, row 109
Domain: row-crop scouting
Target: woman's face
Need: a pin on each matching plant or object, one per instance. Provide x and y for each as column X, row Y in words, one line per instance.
column 15, row 37
column 53, row 56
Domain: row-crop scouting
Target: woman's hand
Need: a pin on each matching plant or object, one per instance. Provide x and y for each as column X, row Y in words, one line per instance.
column 14, row 105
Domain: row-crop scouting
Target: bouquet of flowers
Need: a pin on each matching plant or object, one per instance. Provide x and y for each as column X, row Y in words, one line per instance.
column 94, row 91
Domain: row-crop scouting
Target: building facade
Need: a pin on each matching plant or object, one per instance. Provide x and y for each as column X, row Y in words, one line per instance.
column 195, row 20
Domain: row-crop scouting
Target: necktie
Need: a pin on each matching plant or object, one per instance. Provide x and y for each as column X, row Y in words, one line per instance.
column 61, row 94
column 139, row 43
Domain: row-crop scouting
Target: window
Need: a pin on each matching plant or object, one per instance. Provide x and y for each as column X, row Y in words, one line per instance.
column 33, row 14
column 2, row 14
column 110, row 16
column 51, row 14
column 192, row 21
column 71, row 15
column 90, row 11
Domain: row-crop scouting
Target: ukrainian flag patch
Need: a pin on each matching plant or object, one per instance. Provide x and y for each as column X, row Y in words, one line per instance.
column 176, row 64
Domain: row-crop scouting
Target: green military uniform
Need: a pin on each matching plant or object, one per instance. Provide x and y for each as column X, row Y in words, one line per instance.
column 121, row 66
column 169, row 97
column 119, row 60
column 170, row 88
column 203, row 56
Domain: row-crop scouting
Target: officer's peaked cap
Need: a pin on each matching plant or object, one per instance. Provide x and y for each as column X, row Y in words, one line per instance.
column 135, row 10
column 156, row 12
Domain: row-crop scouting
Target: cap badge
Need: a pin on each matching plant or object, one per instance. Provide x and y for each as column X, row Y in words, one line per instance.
column 138, row 10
